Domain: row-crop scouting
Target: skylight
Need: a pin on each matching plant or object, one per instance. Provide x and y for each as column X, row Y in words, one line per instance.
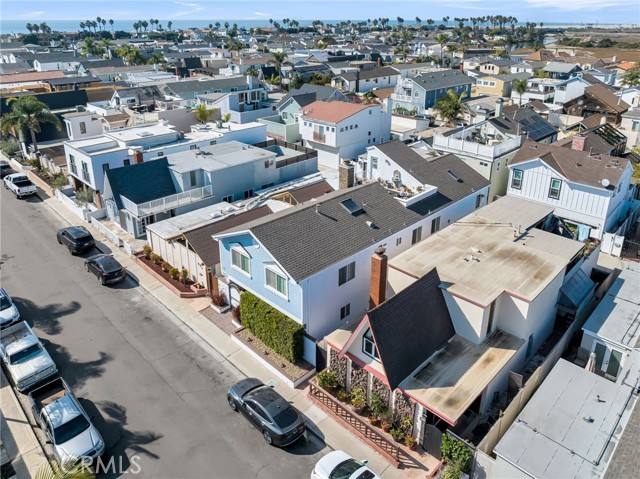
column 352, row 207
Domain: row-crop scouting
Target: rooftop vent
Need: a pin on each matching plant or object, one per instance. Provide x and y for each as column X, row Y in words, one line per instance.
column 454, row 176
column 352, row 207
column 144, row 134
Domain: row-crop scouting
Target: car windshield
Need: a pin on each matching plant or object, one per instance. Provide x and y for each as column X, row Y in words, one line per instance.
column 286, row 417
column 109, row 265
column 345, row 469
column 4, row 303
column 70, row 429
column 24, row 354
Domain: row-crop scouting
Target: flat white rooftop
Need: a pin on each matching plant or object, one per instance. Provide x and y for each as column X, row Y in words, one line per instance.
column 172, row 227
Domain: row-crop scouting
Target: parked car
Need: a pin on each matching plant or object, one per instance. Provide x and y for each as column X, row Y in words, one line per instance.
column 20, row 184
column 5, row 168
column 340, row 465
column 26, row 361
column 65, row 423
column 76, row 238
column 106, row 268
column 279, row 422
column 9, row 313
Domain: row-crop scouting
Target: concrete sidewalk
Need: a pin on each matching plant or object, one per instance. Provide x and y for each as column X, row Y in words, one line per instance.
column 186, row 314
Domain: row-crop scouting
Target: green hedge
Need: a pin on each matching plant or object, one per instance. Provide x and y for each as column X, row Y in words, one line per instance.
column 276, row 330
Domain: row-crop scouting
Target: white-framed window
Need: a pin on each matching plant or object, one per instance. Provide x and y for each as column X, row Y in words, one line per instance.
column 435, row 225
column 248, row 194
column 416, row 235
column 241, row 260
column 192, row 178
column 374, row 162
column 276, row 282
column 346, row 273
column 554, row 188
column 83, row 127
column 345, row 311
column 398, row 240
column 72, row 165
column 369, row 346
column 516, row 179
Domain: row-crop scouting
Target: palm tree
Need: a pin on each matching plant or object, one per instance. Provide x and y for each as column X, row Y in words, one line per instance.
column 226, row 117
column 278, row 60
column 203, row 115
column 169, row 25
column 631, row 78
column 449, row 106
column 111, row 23
column 27, row 113
column 520, row 87
column 442, row 39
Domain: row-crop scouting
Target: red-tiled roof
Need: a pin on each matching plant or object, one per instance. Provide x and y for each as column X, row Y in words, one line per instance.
column 332, row 111
column 31, row 76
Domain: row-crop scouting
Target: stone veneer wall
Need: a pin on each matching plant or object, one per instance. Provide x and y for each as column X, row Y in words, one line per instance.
column 359, row 377
column 381, row 389
column 338, row 365
column 404, row 407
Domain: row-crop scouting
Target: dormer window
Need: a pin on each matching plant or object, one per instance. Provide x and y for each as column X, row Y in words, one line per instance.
column 369, row 346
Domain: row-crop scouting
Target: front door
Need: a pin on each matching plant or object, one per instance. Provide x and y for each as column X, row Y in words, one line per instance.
column 432, row 441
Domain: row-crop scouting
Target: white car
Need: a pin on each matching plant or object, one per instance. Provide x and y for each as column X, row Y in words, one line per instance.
column 340, row 465
column 9, row 314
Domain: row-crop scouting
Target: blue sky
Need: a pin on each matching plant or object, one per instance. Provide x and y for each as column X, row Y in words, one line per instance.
column 569, row 11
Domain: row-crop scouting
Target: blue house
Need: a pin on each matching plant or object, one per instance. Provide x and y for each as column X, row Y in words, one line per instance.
column 421, row 92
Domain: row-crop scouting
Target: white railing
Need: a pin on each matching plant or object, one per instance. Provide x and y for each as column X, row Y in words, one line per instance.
column 168, row 202
column 110, row 235
column 478, row 150
column 404, row 98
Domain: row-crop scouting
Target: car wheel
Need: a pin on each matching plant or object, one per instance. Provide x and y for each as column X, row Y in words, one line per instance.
column 86, row 267
column 232, row 403
column 71, row 251
column 267, row 437
column 58, row 238
column 102, row 281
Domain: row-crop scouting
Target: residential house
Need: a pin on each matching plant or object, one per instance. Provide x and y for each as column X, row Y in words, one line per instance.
column 498, row 85
column 496, row 66
column 341, row 130
column 297, row 194
column 365, row 80
column 137, row 196
column 590, row 192
column 407, row 70
column 561, row 70
column 485, row 148
column 601, row 139
column 82, row 124
column 189, row 89
column 422, row 91
column 542, row 89
column 598, row 99
column 66, row 61
column 600, row 74
column 525, row 121
column 73, row 83
column 244, row 106
column 341, row 230
column 117, row 73
column 630, row 127
column 89, row 158
column 141, row 98
column 570, row 89
column 631, row 96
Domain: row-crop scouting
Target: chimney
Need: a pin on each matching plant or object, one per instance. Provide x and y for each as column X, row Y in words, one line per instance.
column 498, row 112
column 378, row 62
column 378, row 287
column 137, row 157
column 579, row 142
column 482, row 114
column 250, row 82
column 346, row 174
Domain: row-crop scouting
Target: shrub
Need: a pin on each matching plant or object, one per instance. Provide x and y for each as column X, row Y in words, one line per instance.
column 328, row 380
column 456, row 453
column 58, row 180
column 174, row 272
column 358, row 398
column 342, row 395
column 166, row 266
column 407, row 426
column 219, row 299
column 10, row 146
column 451, row 472
column 397, row 434
column 377, row 406
column 235, row 312
column 155, row 258
column 273, row 328
column 184, row 275
column 410, row 441
column 147, row 250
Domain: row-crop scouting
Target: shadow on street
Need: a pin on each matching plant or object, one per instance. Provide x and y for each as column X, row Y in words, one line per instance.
column 45, row 317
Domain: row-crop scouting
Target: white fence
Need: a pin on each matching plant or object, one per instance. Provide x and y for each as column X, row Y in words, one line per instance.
column 612, row 242
column 168, row 202
column 71, row 205
column 110, row 235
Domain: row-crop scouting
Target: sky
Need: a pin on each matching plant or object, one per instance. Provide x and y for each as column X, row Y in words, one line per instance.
column 569, row 11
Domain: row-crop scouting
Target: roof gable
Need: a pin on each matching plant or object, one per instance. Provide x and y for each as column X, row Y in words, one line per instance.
column 141, row 182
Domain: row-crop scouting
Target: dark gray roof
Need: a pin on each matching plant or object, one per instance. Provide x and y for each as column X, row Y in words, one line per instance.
column 310, row 237
column 367, row 74
column 626, row 460
column 308, row 91
column 526, row 121
column 116, row 62
column 199, row 86
column 141, row 182
column 446, row 79
column 72, row 80
column 410, row 327
column 143, row 93
column 453, row 177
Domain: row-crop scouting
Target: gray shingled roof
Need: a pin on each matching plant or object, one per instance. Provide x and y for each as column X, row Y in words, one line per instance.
column 410, row 327
column 141, row 182
column 368, row 74
column 518, row 120
column 310, row 237
column 197, row 85
column 446, row 79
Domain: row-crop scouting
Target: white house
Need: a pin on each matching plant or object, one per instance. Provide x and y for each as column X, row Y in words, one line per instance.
column 630, row 127
column 570, row 89
column 341, row 130
column 82, row 124
column 363, row 81
column 590, row 192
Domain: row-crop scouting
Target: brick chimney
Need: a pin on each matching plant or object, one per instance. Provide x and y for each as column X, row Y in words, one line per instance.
column 378, row 287
column 137, row 157
column 579, row 142
column 346, row 174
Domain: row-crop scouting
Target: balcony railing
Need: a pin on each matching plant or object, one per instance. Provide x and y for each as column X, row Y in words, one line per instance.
column 85, row 176
column 319, row 137
column 168, row 202
column 398, row 97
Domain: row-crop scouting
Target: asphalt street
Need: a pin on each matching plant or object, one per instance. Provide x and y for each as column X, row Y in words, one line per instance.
column 157, row 397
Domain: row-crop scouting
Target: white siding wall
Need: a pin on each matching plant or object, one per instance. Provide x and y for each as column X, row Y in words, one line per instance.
column 469, row 320
column 573, row 89
column 179, row 257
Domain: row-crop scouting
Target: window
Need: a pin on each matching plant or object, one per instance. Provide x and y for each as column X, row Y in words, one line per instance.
column 369, row 133
column 351, row 127
column 160, row 153
column 192, row 178
column 416, row 235
column 193, row 147
column 374, row 162
column 248, row 193
column 146, row 221
column 398, row 240
column 479, row 200
column 105, row 167
column 72, row 165
column 554, row 189
column 416, row 94
column 228, row 199
column 212, row 142
column 498, row 168
column 356, row 126
column 126, row 162
column 276, row 281
column 345, row 311
column 435, row 225
column 83, row 128
column 85, row 172
column 240, row 260
column 635, row 125
column 346, row 273
column 516, row 179
column 368, row 346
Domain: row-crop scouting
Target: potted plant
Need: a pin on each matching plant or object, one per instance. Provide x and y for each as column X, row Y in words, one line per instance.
column 397, row 434
column 174, row 273
column 358, row 400
column 410, row 442
column 184, row 276
column 219, row 302
column 407, row 426
column 387, row 420
column 376, row 408
column 328, row 380
column 342, row 395
column 155, row 258
column 166, row 266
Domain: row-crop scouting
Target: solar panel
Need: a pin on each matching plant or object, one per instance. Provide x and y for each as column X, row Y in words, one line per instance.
column 352, row 207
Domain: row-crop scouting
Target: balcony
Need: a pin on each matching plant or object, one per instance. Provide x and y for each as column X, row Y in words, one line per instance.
column 320, row 137
column 168, row 202
column 398, row 97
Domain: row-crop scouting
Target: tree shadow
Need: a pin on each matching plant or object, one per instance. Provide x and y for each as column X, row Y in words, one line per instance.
column 45, row 317
column 110, row 419
column 76, row 372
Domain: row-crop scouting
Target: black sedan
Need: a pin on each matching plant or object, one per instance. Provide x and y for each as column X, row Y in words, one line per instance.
column 76, row 238
column 280, row 423
column 106, row 268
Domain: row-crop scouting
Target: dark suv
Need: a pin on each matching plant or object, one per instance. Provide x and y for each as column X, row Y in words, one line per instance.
column 76, row 238
column 5, row 169
column 106, row 268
